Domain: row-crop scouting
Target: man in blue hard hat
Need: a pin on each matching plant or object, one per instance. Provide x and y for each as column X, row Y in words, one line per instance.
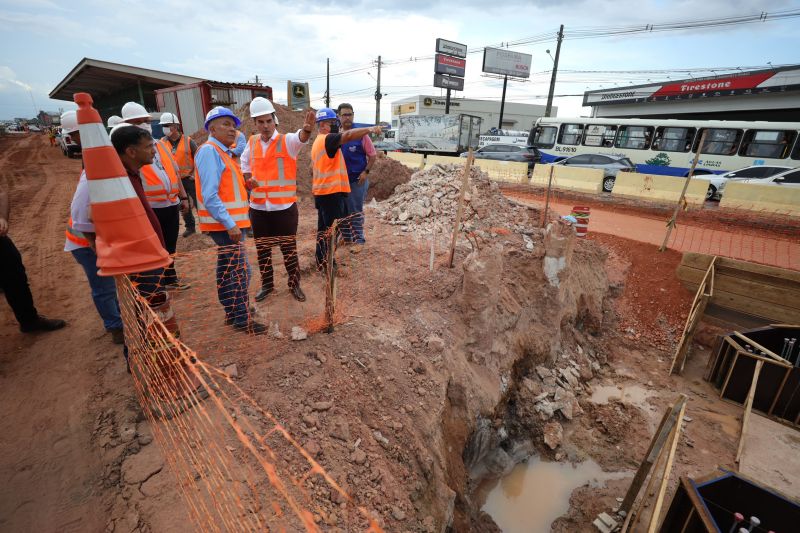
column 330, row 183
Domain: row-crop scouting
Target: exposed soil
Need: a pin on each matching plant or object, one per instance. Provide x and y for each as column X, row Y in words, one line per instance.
column 443, row 365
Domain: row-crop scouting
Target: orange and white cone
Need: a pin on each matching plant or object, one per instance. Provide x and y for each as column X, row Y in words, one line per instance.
column 126, row 242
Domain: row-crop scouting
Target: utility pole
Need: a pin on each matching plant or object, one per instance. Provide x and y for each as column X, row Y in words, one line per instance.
column 502, row 103
column 447, row 103
column 328, row 83
column 378, row 95
column 549, row 107
column 256, row 79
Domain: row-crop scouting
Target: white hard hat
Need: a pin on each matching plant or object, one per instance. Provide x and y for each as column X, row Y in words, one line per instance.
column 261, row 106
column 169, row 118
column 69, row 121
column 113, row 120
column 116, row 127
column 134, row 110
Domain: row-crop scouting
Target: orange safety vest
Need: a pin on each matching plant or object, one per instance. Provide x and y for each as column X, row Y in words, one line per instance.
column 153, row 186
column 274, row 170
column 232, row 193
column 182, row 153
column 76, row 236
column 330, row 174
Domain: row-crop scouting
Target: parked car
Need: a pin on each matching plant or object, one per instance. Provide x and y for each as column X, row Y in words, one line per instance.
column 391, row 146
column 787, row 178
column 508, row 152
column 68, row 147
column 746, row 173
column 611, row 164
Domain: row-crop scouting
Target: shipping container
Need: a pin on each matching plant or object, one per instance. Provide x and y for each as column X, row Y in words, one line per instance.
column 439, row 134
column 192, row 101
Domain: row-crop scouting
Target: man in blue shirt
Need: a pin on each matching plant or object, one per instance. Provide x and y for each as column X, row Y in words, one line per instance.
column 359, row 156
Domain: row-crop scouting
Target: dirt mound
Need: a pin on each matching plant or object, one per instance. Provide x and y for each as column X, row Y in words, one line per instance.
column 429, row 200
column 385, row 176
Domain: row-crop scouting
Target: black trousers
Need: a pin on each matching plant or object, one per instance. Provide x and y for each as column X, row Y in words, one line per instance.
column 274, row 224
column 188, row 217
column 14, row 282
column 169, row 219
column 330, row 207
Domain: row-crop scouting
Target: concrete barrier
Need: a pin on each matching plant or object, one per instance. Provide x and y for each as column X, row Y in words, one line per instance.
column 412, row 161
column 570, row 178
column 764, row 198
column 659, row 188
column 511, row 171
column 444, row 160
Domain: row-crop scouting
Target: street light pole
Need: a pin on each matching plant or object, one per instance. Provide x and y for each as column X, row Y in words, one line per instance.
column 549, row 107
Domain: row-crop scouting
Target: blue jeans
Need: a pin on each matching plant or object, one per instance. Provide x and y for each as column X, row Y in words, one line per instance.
column 354, row 230
column 104, row 290
column 233, row 277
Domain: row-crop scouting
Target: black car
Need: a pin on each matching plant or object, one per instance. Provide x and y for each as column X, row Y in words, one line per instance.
column 508, row 152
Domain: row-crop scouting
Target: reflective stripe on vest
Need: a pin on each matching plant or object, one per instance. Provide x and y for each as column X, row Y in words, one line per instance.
column 182, row 153
column 330, row 174
column 75, row 236
column 232, row 193
column 151, row 180
column 274, row 170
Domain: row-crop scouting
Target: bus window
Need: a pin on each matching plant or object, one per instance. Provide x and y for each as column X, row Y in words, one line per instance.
column 543, row 137
column 635, row 137
column 570, row 134
column 669, row 139
column 719, row 141
column 597, row 135
column 796, row 152
column 772, row 144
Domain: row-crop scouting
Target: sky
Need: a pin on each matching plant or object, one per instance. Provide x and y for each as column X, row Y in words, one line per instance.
column 43, row 40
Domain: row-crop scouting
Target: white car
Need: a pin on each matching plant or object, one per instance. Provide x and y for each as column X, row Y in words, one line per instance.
column 752, row 174
column 788, row 178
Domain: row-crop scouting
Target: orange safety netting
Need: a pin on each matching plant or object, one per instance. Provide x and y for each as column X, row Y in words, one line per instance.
column 237, row 466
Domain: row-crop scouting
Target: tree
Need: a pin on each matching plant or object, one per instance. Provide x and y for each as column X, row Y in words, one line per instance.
column 661, row 159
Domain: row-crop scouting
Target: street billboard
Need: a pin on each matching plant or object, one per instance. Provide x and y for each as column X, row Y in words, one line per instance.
column 448, row 82
column 507, row 63
column 450, row 65
column 444, row 46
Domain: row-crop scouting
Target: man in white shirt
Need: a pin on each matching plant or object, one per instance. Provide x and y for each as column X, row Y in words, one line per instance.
column 269, row 164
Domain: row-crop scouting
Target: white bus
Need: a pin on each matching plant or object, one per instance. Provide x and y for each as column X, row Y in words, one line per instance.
column 667, row 147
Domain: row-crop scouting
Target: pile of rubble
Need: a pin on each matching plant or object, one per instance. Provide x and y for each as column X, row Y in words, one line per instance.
column 428, row 203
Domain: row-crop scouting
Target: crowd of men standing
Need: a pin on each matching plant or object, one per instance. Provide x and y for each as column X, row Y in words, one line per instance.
column 238, row 186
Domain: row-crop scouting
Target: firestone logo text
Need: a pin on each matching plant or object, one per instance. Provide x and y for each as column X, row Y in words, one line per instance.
column 706, row 86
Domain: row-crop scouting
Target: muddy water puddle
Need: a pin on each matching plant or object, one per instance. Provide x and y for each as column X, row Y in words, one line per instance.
column 535, row 493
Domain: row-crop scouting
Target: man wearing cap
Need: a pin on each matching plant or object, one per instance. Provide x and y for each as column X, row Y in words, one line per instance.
column 164, row 190
column 359, row 156
column 182, row 149
column 269, row 165
column 222, row 212
column 330, row 183
column 80, row 238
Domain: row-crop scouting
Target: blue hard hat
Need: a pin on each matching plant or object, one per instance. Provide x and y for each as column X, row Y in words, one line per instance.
column 326, row 113
column 221, row 111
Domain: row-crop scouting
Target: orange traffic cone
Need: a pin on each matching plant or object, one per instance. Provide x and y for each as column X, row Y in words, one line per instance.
column 126, row 242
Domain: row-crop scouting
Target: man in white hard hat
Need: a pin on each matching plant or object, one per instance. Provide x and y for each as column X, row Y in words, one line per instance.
column 182, row 148
column 222, row 213
column 113, row 120
column 164, row 190
column 80, row 238
column 269, row 164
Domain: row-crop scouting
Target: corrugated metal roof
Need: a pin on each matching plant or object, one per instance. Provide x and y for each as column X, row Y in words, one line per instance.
column 101, row 78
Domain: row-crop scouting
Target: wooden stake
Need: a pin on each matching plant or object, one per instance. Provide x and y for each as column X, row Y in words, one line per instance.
column 748, row 406
column 547, row 198
column 767, row 351
column 672, row 221
column 667, row 469
column 460, row 212
column 696, row 312
column 330, row 286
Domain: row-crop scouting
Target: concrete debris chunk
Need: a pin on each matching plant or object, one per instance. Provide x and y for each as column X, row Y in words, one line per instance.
column 553, row 433
column 299, row 334
column 605, row 523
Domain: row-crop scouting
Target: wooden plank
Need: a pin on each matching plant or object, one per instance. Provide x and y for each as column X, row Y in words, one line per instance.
column 695, row 315
column 766, row 292
column 662, row 491
column 789, row 326
column 780, row 390
column 753, row 306
column 656, row 443
column 730, row 371
column 460, row 212
column 748, row 406
column 767, row 351
column 701, row 262
column 697, row 503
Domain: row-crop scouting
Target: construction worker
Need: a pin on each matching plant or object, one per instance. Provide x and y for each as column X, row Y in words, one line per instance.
column 359, row 156
column 182, row 148
column 14, row 281
column 222, row 212
column 80, row 238
column 164, row 190
column 269, row 166
column 331, row 185
column 113, row 120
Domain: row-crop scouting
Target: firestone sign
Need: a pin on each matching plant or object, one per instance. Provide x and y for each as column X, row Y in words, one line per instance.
column 450, row 65
column 772, row 81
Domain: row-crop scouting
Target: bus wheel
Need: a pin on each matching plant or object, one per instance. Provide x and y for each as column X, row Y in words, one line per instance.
column 608, row 183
